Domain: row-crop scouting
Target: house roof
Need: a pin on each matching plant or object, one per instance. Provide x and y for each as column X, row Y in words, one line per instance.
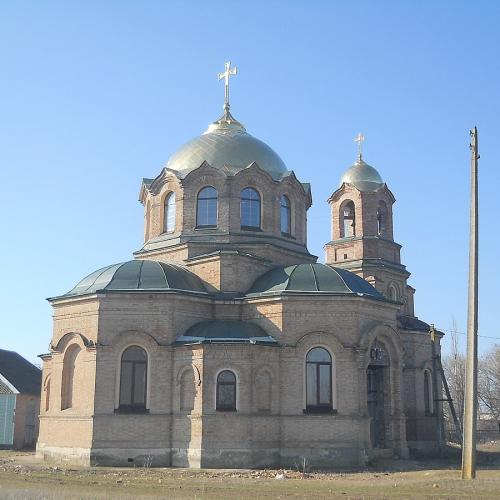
column 20, row 373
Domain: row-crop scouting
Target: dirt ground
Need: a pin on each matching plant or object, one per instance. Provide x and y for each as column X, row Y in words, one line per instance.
column 22, row 476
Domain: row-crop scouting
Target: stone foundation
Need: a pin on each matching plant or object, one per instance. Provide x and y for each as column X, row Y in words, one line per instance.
column 77, row 456
column 235, row 458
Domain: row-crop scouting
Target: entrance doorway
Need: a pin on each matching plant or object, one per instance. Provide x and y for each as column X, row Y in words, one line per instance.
column 377, row 385
column 376, row 407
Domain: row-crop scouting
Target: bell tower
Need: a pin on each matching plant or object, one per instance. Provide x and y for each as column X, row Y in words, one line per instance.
column 362, row 232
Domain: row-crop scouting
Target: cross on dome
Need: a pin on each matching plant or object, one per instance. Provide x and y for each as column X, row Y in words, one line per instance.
column 226, row 74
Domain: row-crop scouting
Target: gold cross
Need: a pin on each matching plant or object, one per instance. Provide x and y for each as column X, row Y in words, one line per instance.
column 359, row 139
column 228, row 72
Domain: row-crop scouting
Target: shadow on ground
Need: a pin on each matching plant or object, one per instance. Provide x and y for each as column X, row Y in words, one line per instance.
column 23, row 476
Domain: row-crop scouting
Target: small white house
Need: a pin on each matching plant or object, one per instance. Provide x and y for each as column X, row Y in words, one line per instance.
column 20, row 384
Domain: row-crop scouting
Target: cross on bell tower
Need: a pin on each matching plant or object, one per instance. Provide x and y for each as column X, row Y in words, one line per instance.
column 359, row 140
column 362, row 238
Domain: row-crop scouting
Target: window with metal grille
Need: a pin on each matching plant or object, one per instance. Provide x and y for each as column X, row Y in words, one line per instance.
column 206, row 208
column 285, row 215
column 169, row 213
column 133, row 379
column 318, row 381
column 250, row 209
column 226, row 391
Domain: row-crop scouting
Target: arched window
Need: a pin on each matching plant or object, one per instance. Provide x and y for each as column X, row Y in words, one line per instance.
column 428, row 397
column 347, row 220
column 206, row 207
column 285, row 215
column 169, row 213
column 133, row 379
column 250, row 209
column 318, row 380
column 226, row 391
column 68, row 377
column 381, row 218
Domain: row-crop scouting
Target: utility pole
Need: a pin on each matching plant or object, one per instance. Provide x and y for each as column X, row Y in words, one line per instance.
column 470, row 409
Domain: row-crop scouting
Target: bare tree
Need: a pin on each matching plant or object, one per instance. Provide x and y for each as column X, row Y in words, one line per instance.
column 489, row 384
column 454, row 370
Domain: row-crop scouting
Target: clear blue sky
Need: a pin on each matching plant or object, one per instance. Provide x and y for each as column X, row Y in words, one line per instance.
column 95, row 95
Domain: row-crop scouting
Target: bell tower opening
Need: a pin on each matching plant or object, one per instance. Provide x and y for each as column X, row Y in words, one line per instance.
column 347, row 219
column 381, row 218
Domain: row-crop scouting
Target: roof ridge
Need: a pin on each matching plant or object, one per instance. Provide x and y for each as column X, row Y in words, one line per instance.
column 139, row 276
column 119, row 265
column 340, row 276
column 289, row 279
column 163, row 271
column 316, row 284
column 103, row 270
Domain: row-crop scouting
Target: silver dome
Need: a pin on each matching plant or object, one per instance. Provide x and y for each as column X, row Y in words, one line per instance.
column 362, row 176
column 228, row 146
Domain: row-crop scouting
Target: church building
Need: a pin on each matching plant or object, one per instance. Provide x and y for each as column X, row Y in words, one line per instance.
column 224, row 343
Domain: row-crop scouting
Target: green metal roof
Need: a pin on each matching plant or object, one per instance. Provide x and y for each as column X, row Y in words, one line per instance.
column 314, row 278
column 225, row 331
column 136, row 275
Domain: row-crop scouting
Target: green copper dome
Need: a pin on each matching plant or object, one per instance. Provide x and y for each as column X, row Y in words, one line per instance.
column 137, row 275
column 314, row 278
column 226, row 145
column 362, row 176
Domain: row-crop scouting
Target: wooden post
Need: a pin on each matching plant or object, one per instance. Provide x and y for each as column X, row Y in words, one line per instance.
column 435, row 393
column 450, row 401
column 470, row 409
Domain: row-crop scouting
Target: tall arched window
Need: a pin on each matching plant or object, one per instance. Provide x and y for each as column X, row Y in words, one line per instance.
column 68, row 377
column 206, row 207
column 133, row 379
column 250, row 209
column 318, row 380
column 347, row 220
column 428, row 397
column 226, row 391
column 169, row 213
column 285, row 215
column 382, row 218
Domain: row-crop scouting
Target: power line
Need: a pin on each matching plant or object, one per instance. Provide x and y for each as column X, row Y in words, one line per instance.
column 463, row 333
